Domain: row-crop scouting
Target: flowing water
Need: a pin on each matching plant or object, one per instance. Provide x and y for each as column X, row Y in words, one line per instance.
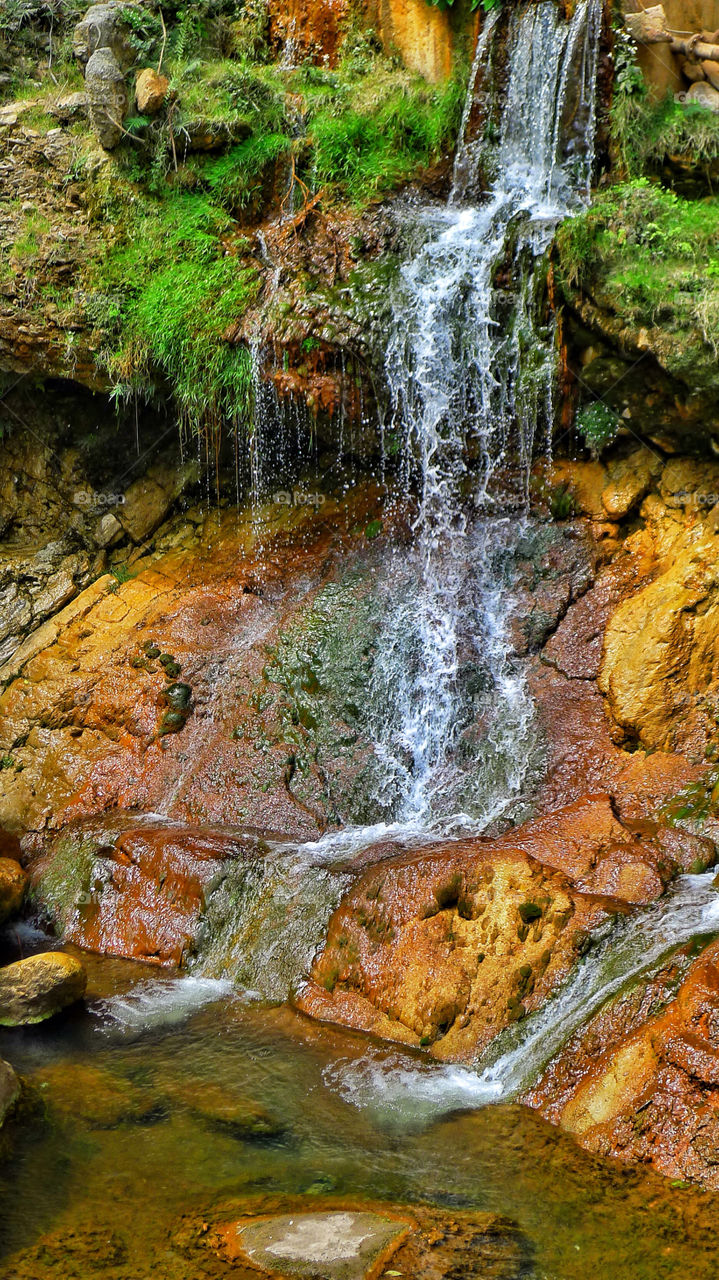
column 470, row 365
column 471, row 372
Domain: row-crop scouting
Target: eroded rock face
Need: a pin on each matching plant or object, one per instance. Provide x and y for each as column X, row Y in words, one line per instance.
column 445, row 948
column 39, row 987
column 641, row 1084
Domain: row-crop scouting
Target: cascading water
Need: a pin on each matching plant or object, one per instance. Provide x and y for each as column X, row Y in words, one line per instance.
column 470, row 372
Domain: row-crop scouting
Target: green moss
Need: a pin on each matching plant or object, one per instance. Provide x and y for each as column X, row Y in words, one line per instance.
column 65, row 885
column 651, row 259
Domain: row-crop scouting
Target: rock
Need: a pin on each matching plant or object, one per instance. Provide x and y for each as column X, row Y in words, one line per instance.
column 104, row 27
column 150, row 91
column 711, row 71
column 209, row 135
column 340, row 1246
column 345, row 1240
column 95, row 1096
column 13, row 881
column 638, row 1082
column 225, row 1109
column 148, row 500
column 39, row 987
column 703, row 95
column 629, row 481
column 72, row 106
column 9, row 1090
column 134, row 891
column 660, row 645
column 107, row 97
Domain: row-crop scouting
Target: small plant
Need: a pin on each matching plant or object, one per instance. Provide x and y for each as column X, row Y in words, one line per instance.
column 598, row 424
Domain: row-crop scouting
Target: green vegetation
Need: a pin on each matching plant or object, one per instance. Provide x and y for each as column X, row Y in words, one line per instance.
column 651, row 258
column 168, row 294
column 646, row 129
column 598, row 424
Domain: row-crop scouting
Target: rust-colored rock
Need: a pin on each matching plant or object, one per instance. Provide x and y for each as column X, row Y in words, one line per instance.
column 150, row 91
column 641, row 1085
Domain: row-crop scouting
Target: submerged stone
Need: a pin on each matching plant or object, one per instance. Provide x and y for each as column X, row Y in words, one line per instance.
column 339, row 1246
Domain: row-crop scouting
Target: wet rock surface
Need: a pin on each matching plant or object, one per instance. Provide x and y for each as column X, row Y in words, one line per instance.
column 354, row 1241
column 37, row 988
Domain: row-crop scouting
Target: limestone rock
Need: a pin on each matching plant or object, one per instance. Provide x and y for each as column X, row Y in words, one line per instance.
column 104, row 27
column 150, row 91
column 107, row 97
column 12, row 887
column 34, row 989
column 72, row 106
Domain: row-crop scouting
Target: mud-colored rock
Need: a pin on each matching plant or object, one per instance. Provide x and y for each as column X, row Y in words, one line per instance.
column 150, row 91
column 95, row 1096
column 227, row 1110
column 13, row 881
column 39, row 987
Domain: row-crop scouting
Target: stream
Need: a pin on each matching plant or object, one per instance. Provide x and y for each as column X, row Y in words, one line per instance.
column 470, row 372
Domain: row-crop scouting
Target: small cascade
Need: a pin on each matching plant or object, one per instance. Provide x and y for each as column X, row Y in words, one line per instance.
column 471, row 373
column 401, row 1092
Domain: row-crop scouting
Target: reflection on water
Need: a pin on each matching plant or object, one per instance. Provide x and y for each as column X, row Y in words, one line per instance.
column 167, row 1149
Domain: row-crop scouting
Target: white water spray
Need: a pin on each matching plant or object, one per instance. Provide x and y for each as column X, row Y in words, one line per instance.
column 471, row 373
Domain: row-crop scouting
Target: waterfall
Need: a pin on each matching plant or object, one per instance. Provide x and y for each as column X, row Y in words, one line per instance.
column 400, row 1091
column 471, row 371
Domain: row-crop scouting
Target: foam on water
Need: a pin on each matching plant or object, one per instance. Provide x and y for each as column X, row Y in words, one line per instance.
column 161, row 1002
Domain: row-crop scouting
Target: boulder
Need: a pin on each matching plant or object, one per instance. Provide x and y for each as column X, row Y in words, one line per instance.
column 104, row 27
column 703, row 95
column 226, row 1110
column 9, row 1090
column 12, row 887
column 150, row 91
column 34, row 989
column 96, row 1096
column 107, row 97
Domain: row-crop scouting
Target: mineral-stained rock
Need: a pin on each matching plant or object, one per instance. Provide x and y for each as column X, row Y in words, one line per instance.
column 226, row 1109
column 95, row 1096
column 12, row 887
column 106, row 96
column 34, row 989
column 639, row 1080
column 345, row 1240
column 150, row 91
column 661, row 645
